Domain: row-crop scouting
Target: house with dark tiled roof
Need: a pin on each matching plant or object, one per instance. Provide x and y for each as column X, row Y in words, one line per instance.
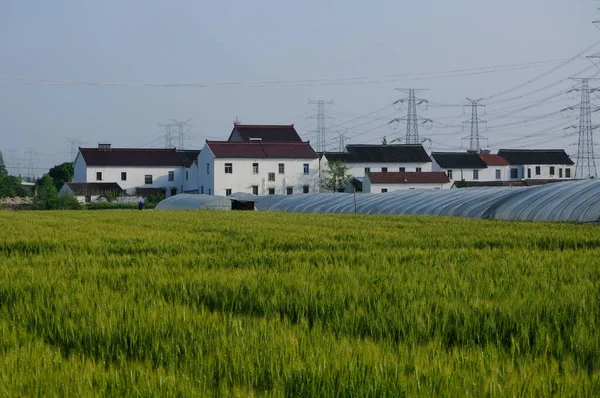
column 459, row 166
column 378, row 182
column 538, row 164
column 264, row 133
column 134, row 168
column 259, row 167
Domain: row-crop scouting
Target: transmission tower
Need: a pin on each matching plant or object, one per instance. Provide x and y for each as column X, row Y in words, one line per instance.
column 342, row 141
column 474, row 137
column 168, row 134
column 321, row 118
column 75, row 143
column 586, row 162
column 181, row 130
column 411, row 119
column 30, row 164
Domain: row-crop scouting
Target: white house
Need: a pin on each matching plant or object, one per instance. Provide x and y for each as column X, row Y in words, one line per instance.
column 90, row 192
column 257, row 167
column 378, row 182
column 362, row 159
column 459, row 166
column 538, row 164
column 498, row 168
column 135, row 169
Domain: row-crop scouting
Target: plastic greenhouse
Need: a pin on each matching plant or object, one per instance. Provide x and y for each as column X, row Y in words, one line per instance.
column 194, row 202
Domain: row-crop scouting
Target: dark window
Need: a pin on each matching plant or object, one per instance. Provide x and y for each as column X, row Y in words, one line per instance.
column 551, row 170
column 227, row 191
column 449, row 174
column 147, row 179
column 98, row 176
column 271, row 176
column 228, row 168
column 123, row 176
column 306, row 169
column 187, row 175
column 567, row 173
column 255, row 189
column 254, row 168
column 402, row 169
column 202, row 190
column 476, row 174
column 289, row 190
column 305, row 189
column 271, row 191
column 207, row 168
column 384, row 169
column 367, row 170
column 383, row 190
column 538, row 170
column 171, row 176
column 559, row 173
column 209, row 191
column 281, row 168
column 514, row 173
column 419, row 169
column 498, row 174
column 173, row 191
column 528, row 173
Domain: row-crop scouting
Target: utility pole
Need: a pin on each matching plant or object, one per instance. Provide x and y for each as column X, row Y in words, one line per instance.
column 321, row 129
column 411, row 119
column 474, row 137
column 586, row 162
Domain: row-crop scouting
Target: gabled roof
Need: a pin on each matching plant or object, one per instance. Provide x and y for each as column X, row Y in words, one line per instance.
column 188, row 157
column 131, row 157
column 494, row 160
column 535, row 156
column 262, row 150
column 337, row 156
column 435, row 177
column 93, row 188
column 360, row 153
column 266, row 133
column 458, row 160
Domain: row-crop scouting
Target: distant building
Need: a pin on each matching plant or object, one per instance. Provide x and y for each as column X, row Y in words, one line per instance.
column 459, row 166
column 264, row 133
column 498, row 168
column 378, row 182
column 538, row 164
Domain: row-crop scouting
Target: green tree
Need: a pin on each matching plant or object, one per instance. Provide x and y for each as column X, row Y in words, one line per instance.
column 336, row 175
column 61, row 173
column 46, row 197
column 10, row 187
column 3, row 171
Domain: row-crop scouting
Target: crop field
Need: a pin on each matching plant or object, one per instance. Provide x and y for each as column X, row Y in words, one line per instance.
column 200, row 303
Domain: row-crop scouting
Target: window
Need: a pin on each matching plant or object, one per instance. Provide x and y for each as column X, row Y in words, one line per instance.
column 449, row 174
column 402, row 169
column 289, row 190
column 254, row 168
column 514, row 173
column 123, row 176
column 202, row 190
column 384, row 169
column 528, row 173
column 148, row 179
column 271, row 176
column 255, row 189
column 281, row 168
column 228, row 168
column 305, row 189
column 173, row 191
column 271, row 191
column 98, row 176
column 419, row 169
column 538, row 170
column 567, row 173
column 559, row 173
column 306, row 169
column 187, row 175
column 551, row 170
column 498, row 174
column 171, row 176
column 227, row 191
column 209, row 191
column 383, row 190
column 367, row 170
column 207, row 168
column 476, row 174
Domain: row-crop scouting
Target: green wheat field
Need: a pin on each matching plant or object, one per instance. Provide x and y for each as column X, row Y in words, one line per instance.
column 200, row 303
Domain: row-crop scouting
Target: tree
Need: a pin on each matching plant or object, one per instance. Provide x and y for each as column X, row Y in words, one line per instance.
column 10, row 187
column 3, row 171
column 336, row 175
column 61, row 173
column 46, row 196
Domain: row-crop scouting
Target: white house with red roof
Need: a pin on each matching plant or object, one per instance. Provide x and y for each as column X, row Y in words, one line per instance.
column 498, row 168
column 382, row 182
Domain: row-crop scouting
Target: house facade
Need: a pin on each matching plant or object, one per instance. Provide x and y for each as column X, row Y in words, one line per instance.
column 257, row 167
column 498, row 168
column 460, row 166
column 538, row 164
column 383, row 182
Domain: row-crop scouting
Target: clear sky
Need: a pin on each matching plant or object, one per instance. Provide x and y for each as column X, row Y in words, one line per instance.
column 177, row 41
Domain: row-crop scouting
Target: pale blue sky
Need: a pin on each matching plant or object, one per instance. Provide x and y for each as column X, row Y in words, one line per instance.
column 155, row 41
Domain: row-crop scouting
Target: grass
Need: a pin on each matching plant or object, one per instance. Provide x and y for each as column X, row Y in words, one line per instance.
column 130, row 303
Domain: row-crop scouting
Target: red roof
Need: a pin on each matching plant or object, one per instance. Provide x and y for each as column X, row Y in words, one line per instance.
column 436, row 177
column 494, row 160
column 131, row 157
column 266, row 133
column 256, row 150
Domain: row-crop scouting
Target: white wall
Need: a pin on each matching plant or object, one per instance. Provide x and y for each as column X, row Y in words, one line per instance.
column 190, row 184
column 461, row 174
column 368, row 187
column 545, row 172
column 489, row 174
column 206, row 181
column 79, row 169
column 136, row 177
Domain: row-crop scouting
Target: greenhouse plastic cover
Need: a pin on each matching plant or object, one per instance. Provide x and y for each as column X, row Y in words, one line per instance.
column 194, row 202
column 574, row 201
